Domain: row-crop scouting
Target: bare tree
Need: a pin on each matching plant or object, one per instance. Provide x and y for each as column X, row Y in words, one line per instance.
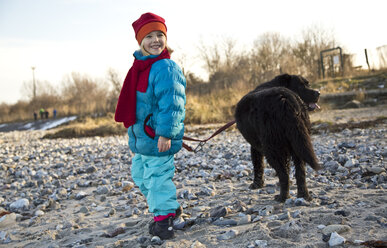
column 211, row 57
column 116, row 82
column 270, row 51
column 42, row 88
column 181, row 60
column 229, row 45
column 84, row 94
column 39, row 94
column 307, row 51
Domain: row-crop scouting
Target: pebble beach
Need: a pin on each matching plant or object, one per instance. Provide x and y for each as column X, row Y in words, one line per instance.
column 79, row 193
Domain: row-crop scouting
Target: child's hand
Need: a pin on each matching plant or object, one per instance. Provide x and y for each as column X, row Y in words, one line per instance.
column 164, row 144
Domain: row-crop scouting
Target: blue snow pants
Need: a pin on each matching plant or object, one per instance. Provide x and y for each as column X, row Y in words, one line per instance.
column 153, row 175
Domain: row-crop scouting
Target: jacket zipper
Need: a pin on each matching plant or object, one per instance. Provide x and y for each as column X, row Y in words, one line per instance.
column 135, row 138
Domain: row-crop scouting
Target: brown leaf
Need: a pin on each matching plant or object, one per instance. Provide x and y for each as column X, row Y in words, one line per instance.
column 375, row 243
column 4, row 213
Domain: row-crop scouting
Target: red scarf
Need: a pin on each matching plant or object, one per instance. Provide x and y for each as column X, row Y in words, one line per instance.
column 136, row 79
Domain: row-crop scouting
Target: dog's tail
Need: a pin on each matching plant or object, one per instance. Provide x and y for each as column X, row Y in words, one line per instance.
column 297, row 132
column 302, row 146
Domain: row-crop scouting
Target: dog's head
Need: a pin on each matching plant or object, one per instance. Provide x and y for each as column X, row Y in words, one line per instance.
column 301, row 87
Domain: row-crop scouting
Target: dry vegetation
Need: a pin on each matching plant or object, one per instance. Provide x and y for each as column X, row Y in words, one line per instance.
column 232, row 73
column 88, row 127
column 214, row 107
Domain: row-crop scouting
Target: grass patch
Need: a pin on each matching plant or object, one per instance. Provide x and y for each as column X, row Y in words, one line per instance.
column 106, row 126
column 213, row 108
column 88, row 127
column 338, row 85
column 320, row 126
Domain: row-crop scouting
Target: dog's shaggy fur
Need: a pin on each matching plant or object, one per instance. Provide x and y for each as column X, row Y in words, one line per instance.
column 274, row 119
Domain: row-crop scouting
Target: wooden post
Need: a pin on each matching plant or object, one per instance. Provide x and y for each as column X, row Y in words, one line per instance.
column 368, row 64
column 322, row 64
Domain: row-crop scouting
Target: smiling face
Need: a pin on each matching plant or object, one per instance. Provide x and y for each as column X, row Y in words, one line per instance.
column 154, row 42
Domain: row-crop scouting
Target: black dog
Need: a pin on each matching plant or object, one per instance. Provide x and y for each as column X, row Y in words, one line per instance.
column 274, row 119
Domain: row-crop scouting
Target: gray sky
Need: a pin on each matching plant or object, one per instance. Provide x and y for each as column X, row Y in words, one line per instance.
column 59, row 37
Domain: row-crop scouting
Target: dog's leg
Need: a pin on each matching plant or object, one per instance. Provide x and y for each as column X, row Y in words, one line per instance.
column 257, row 159
column 302, row 190
column 282, row 167
column 284, row 186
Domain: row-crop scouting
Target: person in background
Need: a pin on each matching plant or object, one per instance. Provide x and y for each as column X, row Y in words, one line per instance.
column 152, row 106
column 41, row 112
column 54, row 113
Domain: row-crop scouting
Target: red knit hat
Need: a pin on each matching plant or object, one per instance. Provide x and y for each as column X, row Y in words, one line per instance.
column 147, row 23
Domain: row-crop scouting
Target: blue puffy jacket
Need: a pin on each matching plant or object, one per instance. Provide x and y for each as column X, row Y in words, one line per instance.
column 160, row 109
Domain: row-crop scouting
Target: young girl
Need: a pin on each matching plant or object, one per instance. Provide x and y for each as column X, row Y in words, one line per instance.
column 152, row 106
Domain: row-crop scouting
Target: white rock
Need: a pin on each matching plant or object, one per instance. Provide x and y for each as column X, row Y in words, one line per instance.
column 261, row 243
column 230, row 234
column 335, row 228
column 244, row 220
column 39, row 213
column 272, row 217
column 5, row 237
column 321, row 226
column 258, row 218
column 2, row 235
column 375, row 170
column 81, row 195
column 336, row 239
column 265, row 211
column 102, row 190
column 127, row 183
column 99, row 208
column 156, row 240
column 351, row 163
column 20, row 204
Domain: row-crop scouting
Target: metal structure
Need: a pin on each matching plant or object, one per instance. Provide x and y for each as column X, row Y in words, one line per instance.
column 334, row 59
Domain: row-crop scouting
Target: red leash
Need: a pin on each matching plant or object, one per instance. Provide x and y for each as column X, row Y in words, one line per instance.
column 203, row 142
